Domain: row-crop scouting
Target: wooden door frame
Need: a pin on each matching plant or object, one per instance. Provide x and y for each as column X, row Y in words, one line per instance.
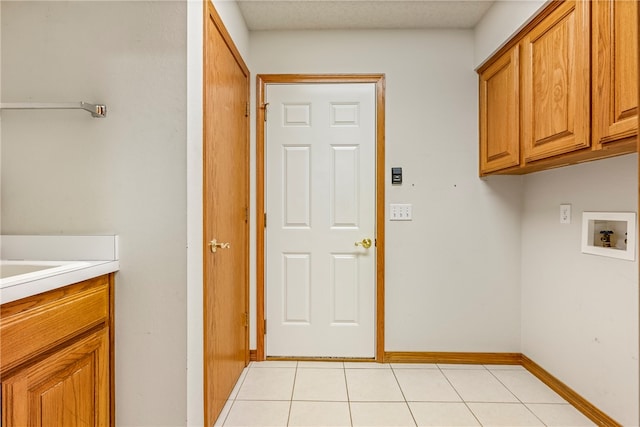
column 213, row 20
column 261, row 81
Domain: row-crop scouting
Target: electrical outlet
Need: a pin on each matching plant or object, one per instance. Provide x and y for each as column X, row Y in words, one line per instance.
column 565, row 214
column 400, row 212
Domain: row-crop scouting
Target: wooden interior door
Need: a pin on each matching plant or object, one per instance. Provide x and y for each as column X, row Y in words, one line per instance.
column 226, row 207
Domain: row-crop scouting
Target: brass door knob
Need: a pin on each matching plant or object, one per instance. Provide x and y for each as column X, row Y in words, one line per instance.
column 214, row 245
column 366, row 243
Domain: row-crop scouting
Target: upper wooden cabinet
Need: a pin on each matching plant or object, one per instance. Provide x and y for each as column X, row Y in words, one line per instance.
column 555, row 82
column 499, row 118
column 615, row 71
column 576, row 100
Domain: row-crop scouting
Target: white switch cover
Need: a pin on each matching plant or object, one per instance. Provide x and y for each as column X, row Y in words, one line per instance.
column 565, row 214
column 400, row 212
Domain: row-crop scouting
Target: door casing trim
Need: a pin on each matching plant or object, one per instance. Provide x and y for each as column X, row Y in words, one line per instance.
column 261, row 81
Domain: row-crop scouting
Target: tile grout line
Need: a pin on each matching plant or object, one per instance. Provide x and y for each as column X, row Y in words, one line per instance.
column 233, row 401
column 393, row 371
column 293, row 388
column 459, row 395
column 346, row 385
column 514, row 395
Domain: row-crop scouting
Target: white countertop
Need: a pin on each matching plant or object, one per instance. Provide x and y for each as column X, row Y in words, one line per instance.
column 84, row 257
column 47, row 281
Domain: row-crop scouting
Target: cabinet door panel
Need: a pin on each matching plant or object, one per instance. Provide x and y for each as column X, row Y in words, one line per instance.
column 556, row 83
column 67, row 399
column 69, row 388
column 499, row 114
column 615, row 70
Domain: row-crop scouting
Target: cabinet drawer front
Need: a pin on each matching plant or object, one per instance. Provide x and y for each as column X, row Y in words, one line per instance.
column 38, row 323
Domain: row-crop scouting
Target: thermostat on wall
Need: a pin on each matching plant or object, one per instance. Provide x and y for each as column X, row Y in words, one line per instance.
column 396, row 175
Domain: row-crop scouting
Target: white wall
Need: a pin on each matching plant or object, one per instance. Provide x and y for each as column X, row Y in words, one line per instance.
column 64, row 172
column 452, row 274
column 580, row 311
column 234, row 23
column 195, row 345
column 503, row 19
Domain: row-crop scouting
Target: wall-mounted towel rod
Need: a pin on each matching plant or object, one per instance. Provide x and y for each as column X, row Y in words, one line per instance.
column 96, row 110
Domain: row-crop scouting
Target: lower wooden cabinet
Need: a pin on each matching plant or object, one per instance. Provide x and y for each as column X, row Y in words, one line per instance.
column 66, row 381
column 70, row 387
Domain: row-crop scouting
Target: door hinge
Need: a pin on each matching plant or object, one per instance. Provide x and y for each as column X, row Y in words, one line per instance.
column 265, row 326
column 246, row 111
column 265, row 220
column 246, row 320
column 264, row 107
column 246, row 214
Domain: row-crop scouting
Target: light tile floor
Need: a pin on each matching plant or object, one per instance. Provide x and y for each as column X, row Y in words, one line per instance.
column 381, row 395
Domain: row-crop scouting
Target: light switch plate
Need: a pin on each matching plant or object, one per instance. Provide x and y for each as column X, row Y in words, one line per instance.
column 400, row 212
column 565, row 214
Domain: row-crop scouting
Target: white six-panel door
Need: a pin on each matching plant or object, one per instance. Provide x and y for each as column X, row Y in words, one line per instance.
column 320, row 201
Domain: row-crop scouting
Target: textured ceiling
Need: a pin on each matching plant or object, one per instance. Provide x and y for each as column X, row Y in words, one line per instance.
column 361, row 14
